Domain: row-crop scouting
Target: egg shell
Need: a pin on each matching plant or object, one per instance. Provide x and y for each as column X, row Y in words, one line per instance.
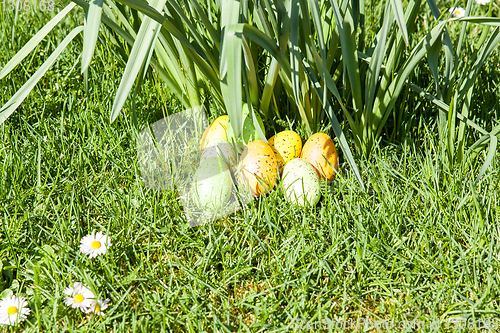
column 216, row 148
column 212, row 183
column 249, row 132
column 216, row 130
column 258, row 168
column 300, row 183
column 319, row 150
column 286, row 145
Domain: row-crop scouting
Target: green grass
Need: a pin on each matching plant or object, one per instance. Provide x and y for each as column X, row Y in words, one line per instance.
column 422, row 243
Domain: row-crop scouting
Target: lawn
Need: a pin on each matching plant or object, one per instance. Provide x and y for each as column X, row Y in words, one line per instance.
column 417, row 249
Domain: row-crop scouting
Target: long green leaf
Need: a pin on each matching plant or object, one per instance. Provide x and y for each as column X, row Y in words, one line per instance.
column 313, row 4
column 482, row 141
column 345, row 27
column 445, row 108
column 433, row 60
column 482, row 56
column 295, row 62
column 383, row 106
column 478, row 144
column 397, row 8
column 206, row 22
column 13, row 103
column 194, row 33
column 489, row 157
column 166, row 52
column 372, row 76
column 151, row 11
column 335, row 123
column 493, row 21
column 143, row 42
column 467, row 87
column 230, row 64
column 35, row 40
column 253, row 86
column 448, row 51
column 90, row 32
column 464, row 27
column 270, row 82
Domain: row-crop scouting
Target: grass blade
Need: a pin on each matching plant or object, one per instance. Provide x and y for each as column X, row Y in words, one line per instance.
column 24, row 91
column 489, row 157
column 35, row 40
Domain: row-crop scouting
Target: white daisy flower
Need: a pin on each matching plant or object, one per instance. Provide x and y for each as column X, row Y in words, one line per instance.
column 95, row 244
column 98, row 306
column 13, row 310
column 80, row 296
column 483, row 2
column 457, row 11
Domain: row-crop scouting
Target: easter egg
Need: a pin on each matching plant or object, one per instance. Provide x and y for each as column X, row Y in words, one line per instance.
column 319, row 150
column 218, row 148
column 286, row 145
column 249, row 132
column 300, row 183
column 257, row 171
column 212, row 184
column 216, row 130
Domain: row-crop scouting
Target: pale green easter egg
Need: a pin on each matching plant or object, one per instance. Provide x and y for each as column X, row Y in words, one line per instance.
column 300, row 183
column 213, row 184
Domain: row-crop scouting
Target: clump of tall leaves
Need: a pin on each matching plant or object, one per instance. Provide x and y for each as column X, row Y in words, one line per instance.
column 454, row 87
column 313, row 53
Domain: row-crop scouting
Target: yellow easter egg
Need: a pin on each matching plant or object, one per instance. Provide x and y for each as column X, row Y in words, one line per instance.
column 216, row 130
column 286, row 145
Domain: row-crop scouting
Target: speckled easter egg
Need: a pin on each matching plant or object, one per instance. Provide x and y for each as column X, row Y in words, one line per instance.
column 216, row 130
column 257, row 169
column 286, row 145
column 300, row 183
column 218, row 148
column 213, row 184
column 249, row 133
column 319, row 150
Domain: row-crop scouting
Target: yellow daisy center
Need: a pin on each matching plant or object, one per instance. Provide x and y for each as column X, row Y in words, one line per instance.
column 78, row 298
column 457, row 12
column 12, row 310
column 97, row 308
column 95, row 245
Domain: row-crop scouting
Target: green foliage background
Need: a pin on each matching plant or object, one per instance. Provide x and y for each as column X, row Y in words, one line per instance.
column 420, row 242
